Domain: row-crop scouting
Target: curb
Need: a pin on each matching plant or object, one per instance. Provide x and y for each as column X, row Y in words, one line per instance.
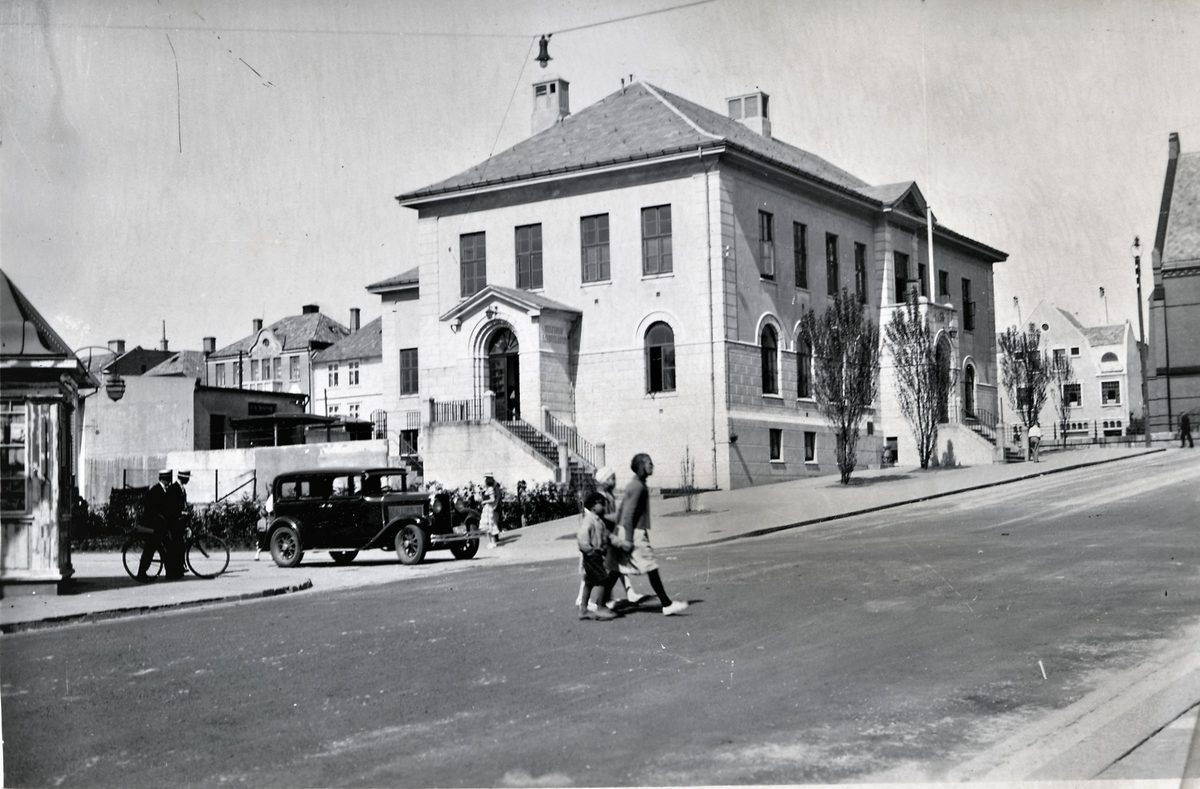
column 125, row 613
column 894, row 504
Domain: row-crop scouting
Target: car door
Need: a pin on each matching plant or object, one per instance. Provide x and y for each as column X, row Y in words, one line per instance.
column 341, row 512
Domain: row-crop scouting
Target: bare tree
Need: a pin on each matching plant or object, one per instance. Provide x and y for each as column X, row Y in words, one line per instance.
column 922, row 378
column 845, row 349
column 1024, row 371
column 1062, row 373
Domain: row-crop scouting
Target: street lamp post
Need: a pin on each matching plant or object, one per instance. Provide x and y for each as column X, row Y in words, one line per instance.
column 114, row 384
column 1137, row 271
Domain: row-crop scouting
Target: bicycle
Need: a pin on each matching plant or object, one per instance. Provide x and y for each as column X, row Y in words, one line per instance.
column 206, row 554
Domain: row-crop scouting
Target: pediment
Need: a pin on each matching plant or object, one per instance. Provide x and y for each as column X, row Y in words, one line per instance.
column 523, row 301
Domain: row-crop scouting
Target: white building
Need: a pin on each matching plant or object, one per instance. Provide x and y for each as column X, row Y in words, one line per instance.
column 631, row 279
column 348, row 375
column 1106, row 392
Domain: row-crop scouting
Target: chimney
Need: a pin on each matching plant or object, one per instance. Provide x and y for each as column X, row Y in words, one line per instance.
column 164, row 339
column 257, row 324
column 354, row 320
column 116, row 346
column 210, row 345
column 551, row 102
column 1173, row 146
column 750, row 110
column 310, row 309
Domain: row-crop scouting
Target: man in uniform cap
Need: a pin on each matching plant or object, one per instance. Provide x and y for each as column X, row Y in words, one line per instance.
column 155, row 516
column 178, row 502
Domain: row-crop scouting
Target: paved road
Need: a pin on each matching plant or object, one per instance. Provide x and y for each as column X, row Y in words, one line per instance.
column 910, row 645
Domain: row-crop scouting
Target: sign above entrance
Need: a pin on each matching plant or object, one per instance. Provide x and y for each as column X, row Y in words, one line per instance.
column 554, row 334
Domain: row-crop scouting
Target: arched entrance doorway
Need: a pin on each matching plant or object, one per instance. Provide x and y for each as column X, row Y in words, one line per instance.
column 969, row 390
column 942, row 361
column 504, row 374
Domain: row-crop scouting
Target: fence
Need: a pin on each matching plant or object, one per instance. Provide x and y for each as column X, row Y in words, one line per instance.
column 457, row 410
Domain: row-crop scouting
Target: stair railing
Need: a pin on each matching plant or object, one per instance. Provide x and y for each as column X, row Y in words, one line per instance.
column 561, row 431
column 982, row 422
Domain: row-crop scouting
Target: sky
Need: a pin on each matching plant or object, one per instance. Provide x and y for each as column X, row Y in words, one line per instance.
column 208, row 163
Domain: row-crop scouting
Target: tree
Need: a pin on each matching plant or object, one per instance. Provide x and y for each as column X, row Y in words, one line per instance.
column 845, row 350
column 922, row 375
column 1063, row 375
column 1024, row 371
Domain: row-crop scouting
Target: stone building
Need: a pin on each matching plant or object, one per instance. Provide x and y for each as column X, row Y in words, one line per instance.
column 631, row 278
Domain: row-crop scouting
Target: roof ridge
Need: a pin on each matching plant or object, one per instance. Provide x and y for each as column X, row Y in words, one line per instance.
column 695, row 126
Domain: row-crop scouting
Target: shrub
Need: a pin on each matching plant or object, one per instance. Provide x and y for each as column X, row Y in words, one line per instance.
column 527, row 504
column 105, row 527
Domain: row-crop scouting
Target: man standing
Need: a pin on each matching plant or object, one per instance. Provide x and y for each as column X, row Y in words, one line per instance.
column 155, row 516
column 1035, row 441
column 635, row 527
column 1185, row 431
column 178, row 503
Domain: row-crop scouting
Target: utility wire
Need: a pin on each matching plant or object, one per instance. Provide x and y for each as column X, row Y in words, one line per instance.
column 631, row 16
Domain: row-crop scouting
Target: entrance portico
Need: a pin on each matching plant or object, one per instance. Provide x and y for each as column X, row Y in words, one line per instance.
column 522, row 348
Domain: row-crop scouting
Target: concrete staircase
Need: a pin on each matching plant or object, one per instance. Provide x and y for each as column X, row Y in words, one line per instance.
column 548, row 449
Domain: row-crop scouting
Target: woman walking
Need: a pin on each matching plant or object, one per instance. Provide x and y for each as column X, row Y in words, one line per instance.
column 606, row 484
column 635, row 527
column 488, row 517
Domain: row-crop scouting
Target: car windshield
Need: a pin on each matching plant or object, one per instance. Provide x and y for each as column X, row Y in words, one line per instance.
column 376, row 484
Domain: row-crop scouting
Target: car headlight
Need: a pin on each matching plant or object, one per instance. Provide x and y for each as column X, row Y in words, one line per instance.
column 437, row 506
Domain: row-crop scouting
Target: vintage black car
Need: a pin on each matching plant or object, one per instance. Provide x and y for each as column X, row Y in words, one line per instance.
column 347, row 510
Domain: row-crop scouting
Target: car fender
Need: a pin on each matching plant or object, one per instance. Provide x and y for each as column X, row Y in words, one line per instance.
column 284, row 520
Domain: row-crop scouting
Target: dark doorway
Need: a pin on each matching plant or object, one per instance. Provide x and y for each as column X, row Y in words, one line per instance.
column 969, row 390
column 942, row 360
column 504, row 374
column 216, row 431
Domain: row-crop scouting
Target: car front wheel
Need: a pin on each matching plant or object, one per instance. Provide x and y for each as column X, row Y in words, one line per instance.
column 465, row 550
column 411, row 544
column 285, row 547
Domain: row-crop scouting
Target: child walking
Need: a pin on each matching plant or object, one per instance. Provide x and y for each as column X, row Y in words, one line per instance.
column 592, row 538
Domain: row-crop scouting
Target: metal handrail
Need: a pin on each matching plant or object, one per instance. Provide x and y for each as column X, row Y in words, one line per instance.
column 986, row 421
column 560, row 431
column 470, row 410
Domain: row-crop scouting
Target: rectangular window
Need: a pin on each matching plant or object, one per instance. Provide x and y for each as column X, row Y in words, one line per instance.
column 1074, row 350
column 333, row 410
column 529, row 257
column 408, row 371
column 1060, row 358
column 593, row 233
column 860, row 272
column 13, row 495
column 923, row 275
column 472, row 263
column 1110, row 392
column 800, row 253
column 831, row 264
column 352, row 373
column 766, row 245
column 943, row 283
column 900, row 273
column 804, row 370
column 354, row 409
column 254, row 369
column 294, row 368
column 776, row 438
column 333, row 375
column 656, row 240
column 1072, row 394
column 810, row 446
column 219, row 374
column 968, row 306
column 277, row 364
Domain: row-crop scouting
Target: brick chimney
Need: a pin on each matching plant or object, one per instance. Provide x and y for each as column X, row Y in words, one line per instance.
column 310, row 309
column 354, row 319
column 257, row 324
column 210, row 345
column 116, row 346
column 750, row 110
column 551, row 102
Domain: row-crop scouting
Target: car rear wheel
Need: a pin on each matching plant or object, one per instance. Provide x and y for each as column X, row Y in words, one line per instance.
column 343, row 557
column 285, row 547
column 411, row 544
column 465, row 550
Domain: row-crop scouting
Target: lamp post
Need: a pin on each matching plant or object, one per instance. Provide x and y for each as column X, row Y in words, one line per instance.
column 1136, row 250
column 114, row 384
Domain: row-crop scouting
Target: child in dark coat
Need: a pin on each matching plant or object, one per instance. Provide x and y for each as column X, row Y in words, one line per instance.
column 593, row 538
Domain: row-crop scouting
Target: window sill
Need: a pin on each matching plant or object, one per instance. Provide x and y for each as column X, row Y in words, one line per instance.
column 806, row 401
column 811, row 463
column 777, row 462
column 767, row 280
column 665, row 275
column 599, row 283
column 658, row 395
column 769, row 396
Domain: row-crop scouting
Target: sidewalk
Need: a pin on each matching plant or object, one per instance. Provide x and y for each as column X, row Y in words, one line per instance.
column 102, row 589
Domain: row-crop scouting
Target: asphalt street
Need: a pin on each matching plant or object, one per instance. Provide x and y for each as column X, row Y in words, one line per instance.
column 899, row 646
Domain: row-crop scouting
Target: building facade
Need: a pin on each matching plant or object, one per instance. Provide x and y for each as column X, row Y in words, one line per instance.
column 275, row 358
column 1104, row 394
column 348, row 377
column 1174, row 354
column 633, row 276
column 400, row 360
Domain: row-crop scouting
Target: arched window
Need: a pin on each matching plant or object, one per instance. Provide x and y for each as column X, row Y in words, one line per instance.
column 770, row 361
column 660, row 358
column 804, row 369
column 1108, row 357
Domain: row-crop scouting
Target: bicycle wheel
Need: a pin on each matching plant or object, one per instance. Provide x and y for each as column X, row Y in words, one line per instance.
column 131, row 556
column 207, row 556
